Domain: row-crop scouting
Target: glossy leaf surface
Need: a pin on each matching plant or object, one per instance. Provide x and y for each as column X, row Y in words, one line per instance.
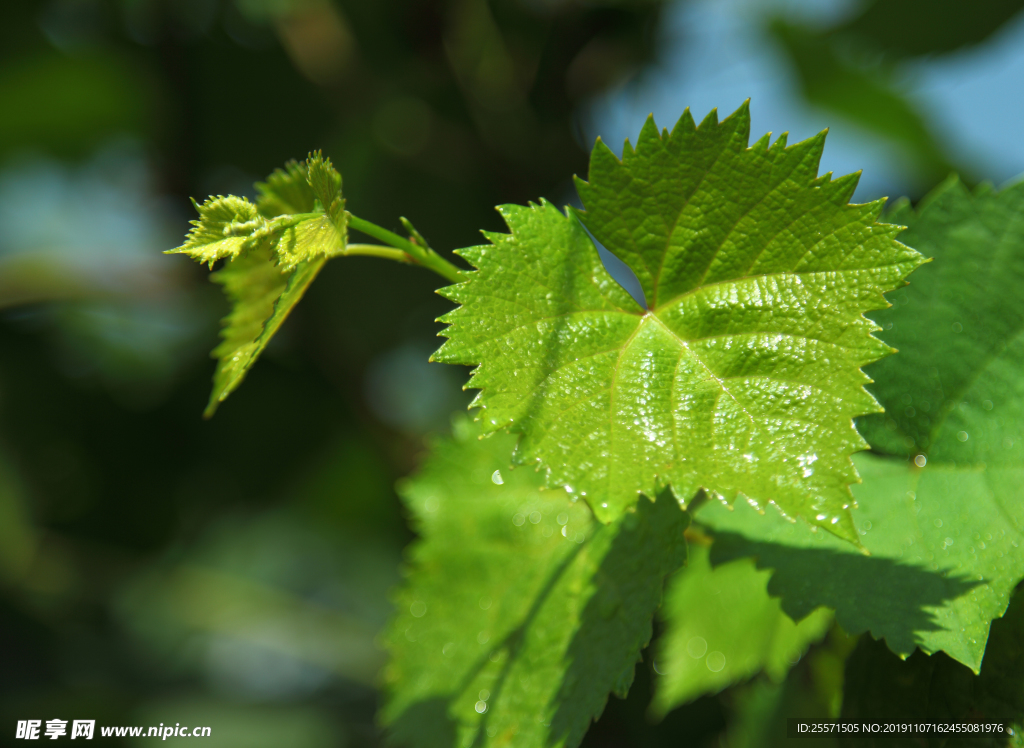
column 944, row 518
column 722, row 628
column 945, row 557
column 520, row 612
column 742, row 376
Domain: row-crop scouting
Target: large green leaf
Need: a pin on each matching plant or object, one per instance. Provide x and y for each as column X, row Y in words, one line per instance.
column 742, row 376
column 520, row 613
column 944, row 517
column 722, row 628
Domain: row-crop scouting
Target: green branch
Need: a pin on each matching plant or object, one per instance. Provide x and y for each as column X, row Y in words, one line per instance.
column 424, row 256
column 375, row 250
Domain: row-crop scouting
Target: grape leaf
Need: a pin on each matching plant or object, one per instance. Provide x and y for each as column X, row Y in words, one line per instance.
column 881, row 687
column 229, row 227
column 942, row 563
column 326, row 184
column 955, row 392
column 224, row 229
column 742, row 376
column 322, row 236
column 270, row 267
column 287, row 191
column 812, row 691
column 520, row 612
column 946, row 527
column 261, row 298
column 722, row 628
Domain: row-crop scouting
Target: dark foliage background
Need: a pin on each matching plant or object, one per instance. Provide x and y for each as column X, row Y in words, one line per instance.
column 235, row 573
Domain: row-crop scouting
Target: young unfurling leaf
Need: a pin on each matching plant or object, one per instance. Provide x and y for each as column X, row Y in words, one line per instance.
column 225, row 229
column 287, row 191
column 274, row 249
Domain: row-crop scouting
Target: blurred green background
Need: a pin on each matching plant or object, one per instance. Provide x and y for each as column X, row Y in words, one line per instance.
column 155, row 567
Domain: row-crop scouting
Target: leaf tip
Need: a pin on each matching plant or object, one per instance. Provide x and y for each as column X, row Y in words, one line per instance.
column 211, row 407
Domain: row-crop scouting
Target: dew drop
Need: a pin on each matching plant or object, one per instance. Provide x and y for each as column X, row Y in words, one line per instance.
column 496, row 478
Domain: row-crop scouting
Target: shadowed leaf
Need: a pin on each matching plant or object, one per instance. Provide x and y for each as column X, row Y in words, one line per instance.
column 520, row 613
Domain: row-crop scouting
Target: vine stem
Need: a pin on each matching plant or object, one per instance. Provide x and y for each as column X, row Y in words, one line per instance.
column 424, row 256
column 376, row 250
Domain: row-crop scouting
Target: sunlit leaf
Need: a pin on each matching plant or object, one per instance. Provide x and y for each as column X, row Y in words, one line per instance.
column 326, row 184
column 224, row 230
column 274, row 249
column 286, row 191
column 742, row 376
column 944, row 516
column 942, row 565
